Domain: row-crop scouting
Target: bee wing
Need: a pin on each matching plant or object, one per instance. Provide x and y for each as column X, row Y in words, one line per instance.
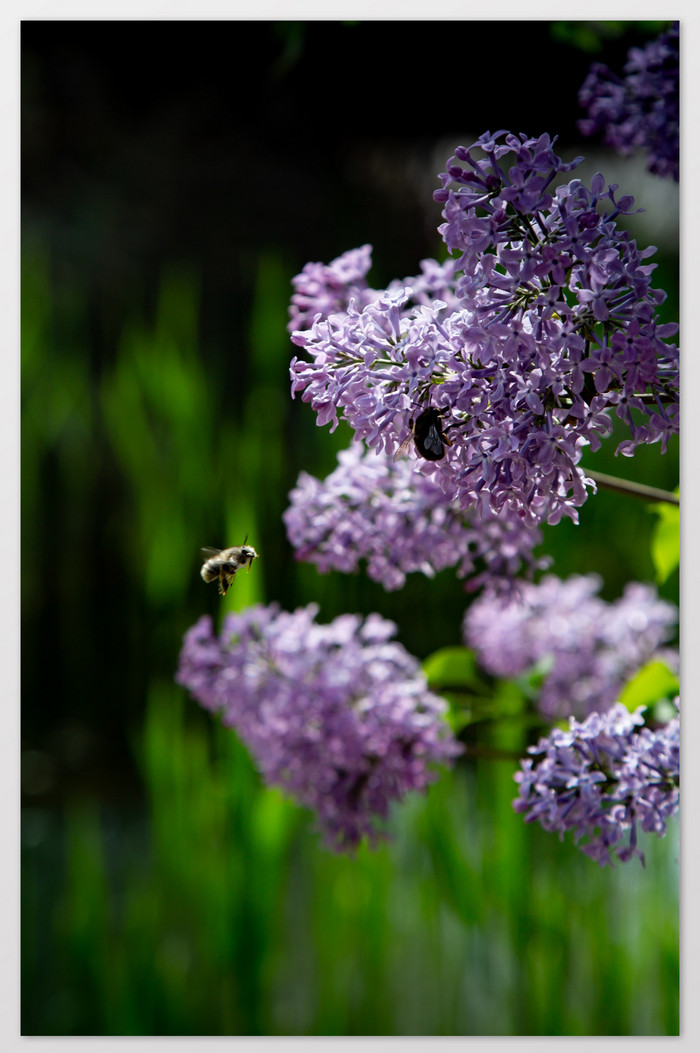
column 404, row 448
column 433, row 444
column 211, row 551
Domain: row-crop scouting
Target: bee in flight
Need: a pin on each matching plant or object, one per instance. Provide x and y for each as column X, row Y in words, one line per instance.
column 223, row 564
column 427, row 435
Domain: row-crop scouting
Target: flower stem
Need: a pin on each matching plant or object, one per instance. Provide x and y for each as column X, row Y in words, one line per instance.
column 490, row 753
column 626, row 486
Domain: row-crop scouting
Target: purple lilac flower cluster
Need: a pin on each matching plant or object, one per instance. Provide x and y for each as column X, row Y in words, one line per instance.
column 594, row 646
column 337, row 715
column 400, row 521
column 541, row 326
column 604, row 779
column 641, row 109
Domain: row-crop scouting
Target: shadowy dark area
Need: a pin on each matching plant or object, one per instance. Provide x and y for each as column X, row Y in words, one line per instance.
column 147, row 142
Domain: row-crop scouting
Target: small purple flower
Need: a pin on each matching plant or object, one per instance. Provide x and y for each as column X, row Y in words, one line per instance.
column 641, row 109
column 339, row 715
column 605, row 779
column 397, row 519
column 594, row 647
column 327, row 290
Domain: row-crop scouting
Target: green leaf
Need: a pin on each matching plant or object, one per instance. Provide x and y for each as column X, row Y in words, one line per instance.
column 654, row 682
column 452, row 673
column 665, row 541
column 453, row 667
column 530, row 682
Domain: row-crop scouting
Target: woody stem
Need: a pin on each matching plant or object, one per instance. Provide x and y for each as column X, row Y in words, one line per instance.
column 626, row 486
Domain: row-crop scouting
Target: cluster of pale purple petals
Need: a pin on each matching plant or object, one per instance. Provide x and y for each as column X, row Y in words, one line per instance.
column 339, row 716
column 541, row 326
column 594, row 647
column 606, row 779
column 322, row 290
column 639, row 110
column 399, row 521
column 327, row 289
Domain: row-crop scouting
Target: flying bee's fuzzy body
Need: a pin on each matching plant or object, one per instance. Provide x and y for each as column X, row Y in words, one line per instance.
column 223, row 564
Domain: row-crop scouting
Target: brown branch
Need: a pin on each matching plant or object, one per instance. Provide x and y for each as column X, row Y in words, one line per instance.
column 626, row 486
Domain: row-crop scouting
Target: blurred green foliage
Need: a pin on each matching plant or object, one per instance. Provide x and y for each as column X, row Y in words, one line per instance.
column 206, row 905
column 223, row 916
column 665, row 541
column 654, row 685
column 594, row 37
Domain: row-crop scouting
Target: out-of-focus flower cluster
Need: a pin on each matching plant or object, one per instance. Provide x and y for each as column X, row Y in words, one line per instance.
column 541, row 326
column 641, row 109
column 337, row 715
column 400, row 521
column 605, row 779
column 594, row 646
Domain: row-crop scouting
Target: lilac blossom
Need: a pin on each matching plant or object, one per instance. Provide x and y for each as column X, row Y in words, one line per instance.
column 639, row 110
column 339, row 715
column 594, row 647
column 327, row 289
column 400, row 521
column 322, row 290
column 540, row 328
column 605, row 779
